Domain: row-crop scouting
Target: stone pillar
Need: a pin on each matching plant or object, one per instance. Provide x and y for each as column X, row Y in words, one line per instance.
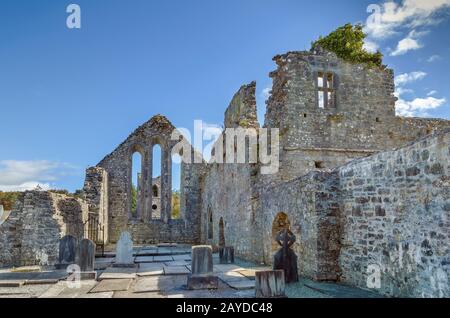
column 269, row 284
column 149, row 214
column 165, row 185
column 202, row 276
column 96, row 193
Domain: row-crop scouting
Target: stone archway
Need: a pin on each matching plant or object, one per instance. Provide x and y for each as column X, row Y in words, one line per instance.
column 280, row 222
column 221, row 232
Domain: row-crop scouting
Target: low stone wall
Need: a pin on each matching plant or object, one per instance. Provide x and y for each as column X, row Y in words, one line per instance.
column 30, row 235
column 396, row 219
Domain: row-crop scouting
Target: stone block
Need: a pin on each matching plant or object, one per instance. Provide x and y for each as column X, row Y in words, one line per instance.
column 202, row 282
column 270, row 284
column 202, row 262
column 226, row 255
column 124, row 250
column 68, row 247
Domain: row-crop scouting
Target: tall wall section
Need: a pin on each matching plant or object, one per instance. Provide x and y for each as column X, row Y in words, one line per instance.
column 144, row 227
column 229, row 190
column 360, row 120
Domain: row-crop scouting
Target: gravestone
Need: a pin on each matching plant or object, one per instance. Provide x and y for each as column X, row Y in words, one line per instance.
column 226, row 255
column 68, row 246
column 86, row 259
column 270, row 284
column 124, row 251
column 202, row 276
column 285, row 258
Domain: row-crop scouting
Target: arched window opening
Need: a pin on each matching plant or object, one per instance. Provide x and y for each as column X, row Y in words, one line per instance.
column 156, row 181
column 155, row 191
column 281, row 222
column 136, row 184
column 176, row 182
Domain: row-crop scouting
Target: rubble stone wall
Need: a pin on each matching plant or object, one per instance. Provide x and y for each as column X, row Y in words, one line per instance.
column 30, row 235
column 396, row 219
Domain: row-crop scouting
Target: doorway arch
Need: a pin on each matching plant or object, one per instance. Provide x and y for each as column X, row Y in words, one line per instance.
column 280, row 222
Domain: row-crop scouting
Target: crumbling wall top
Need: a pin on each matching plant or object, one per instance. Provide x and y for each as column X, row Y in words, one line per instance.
column 242, row 109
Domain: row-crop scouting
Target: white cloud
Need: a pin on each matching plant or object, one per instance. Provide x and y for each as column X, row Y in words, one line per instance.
column 400, row 91
column 433, row 92
column 409, row 43
column 390, row 18
column 405, row 78
column 405, row 45
column 25, row 186
column 266, row 93
column 418, row 106
column 393, row 16
column 371, row 46
column 433, row 58
column 16, row 175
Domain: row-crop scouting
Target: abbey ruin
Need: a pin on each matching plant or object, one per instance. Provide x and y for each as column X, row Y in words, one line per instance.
column 362, row 189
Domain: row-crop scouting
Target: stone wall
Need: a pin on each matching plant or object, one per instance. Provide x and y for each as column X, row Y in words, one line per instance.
column 96, row 194
column 229, row 191
column 310, row 188
column 396, row 217
column 311, row 204
column 38, row 220
column 229, row 194
column 361, row 122
column 144, row 227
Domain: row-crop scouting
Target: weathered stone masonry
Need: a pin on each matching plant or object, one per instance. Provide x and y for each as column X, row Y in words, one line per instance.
column 38, row 220
column 396, row 217
column 145, row 228
column 360, row 123
column 361, row 188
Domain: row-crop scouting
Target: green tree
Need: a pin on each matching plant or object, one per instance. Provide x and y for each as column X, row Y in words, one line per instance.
column 176, row 205
column 133, row 199
column 348, row 43
column 7, row 199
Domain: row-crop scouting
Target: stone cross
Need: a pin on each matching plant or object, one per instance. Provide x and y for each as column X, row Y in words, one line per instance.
column 202, row 276
column 285, row 258
column 124, row 250
column 68, row 246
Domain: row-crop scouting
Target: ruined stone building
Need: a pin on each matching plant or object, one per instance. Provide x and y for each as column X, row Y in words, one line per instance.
column 362, row 189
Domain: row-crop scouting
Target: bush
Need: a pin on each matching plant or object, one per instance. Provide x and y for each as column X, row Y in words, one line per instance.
column 347, row 43
column 7, row 199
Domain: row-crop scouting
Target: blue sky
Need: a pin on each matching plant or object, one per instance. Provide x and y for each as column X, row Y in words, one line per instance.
column 68, row 97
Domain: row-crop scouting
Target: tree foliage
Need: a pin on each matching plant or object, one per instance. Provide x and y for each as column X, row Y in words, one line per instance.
column 7, row 199
column 176, row 205
column 347, row 42
column 133, row 199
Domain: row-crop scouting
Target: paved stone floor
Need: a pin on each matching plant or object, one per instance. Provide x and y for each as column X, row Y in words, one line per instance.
column 161, row 272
